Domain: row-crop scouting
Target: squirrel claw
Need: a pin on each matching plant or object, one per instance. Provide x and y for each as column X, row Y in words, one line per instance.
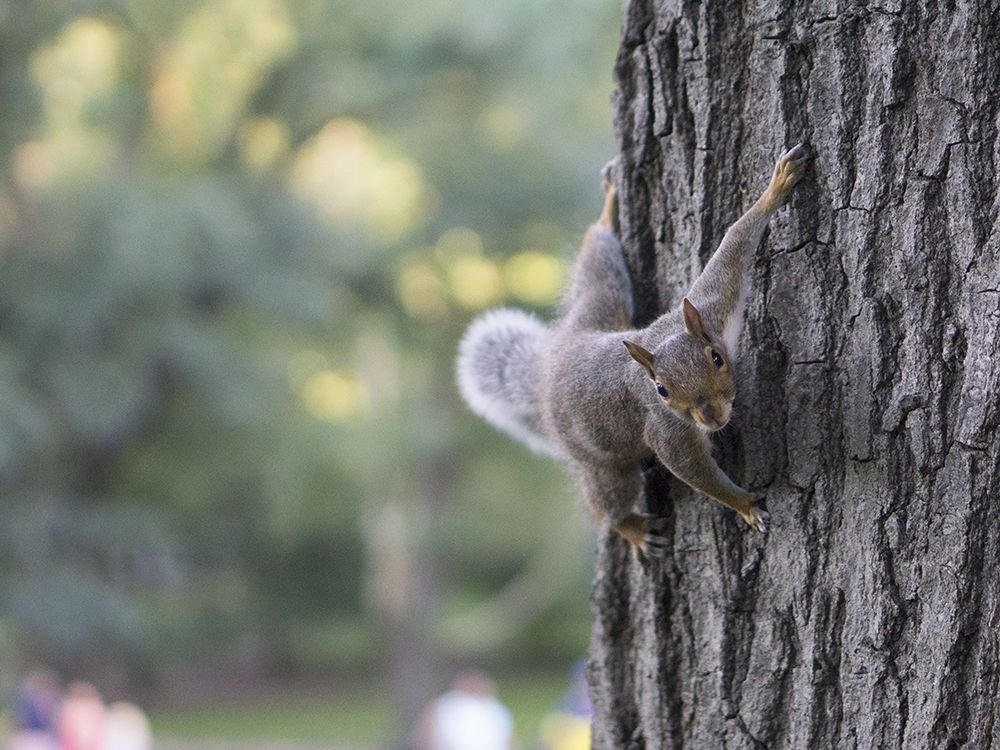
column 655, row 546
column 655, row 542
column 763, row 521
column 655, row 524
column 648, row 534
column 788, row 170
column 758, row 517
column 796, row 152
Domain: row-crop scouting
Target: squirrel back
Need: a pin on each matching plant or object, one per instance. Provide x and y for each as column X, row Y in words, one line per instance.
column 498, row 374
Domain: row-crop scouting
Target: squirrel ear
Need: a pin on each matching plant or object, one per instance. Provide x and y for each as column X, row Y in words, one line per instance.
column 641, row 356
column 692, row 319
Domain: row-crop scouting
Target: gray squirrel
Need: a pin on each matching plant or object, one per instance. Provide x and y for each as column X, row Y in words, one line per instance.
column 572, row 391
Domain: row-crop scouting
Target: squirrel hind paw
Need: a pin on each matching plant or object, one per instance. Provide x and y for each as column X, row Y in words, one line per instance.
column 656, row 540
column 648, row 534
column 655, row 546
column 609, row 174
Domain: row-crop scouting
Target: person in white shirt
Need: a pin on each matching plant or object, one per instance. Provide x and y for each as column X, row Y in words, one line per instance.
column 467, row 717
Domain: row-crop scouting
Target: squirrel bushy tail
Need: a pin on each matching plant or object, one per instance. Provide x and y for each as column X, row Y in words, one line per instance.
column 498, row 363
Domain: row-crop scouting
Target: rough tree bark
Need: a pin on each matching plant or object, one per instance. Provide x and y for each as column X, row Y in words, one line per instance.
column 869, row 616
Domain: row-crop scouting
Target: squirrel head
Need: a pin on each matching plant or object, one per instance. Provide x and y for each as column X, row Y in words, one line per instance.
column 691, row 372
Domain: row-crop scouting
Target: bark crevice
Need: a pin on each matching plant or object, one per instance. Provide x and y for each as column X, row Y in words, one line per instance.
column 868, row 381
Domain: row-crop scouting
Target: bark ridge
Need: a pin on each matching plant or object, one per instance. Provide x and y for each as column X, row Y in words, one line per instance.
column 869, row 379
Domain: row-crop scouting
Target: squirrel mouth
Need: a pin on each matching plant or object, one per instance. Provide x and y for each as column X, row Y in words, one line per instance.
column 715, row 415
column 711, row 424
column 702, row 420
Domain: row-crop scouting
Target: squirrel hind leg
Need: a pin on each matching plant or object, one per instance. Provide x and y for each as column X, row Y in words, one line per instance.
column 600, row 294
column 609, row 178
column 610, row 211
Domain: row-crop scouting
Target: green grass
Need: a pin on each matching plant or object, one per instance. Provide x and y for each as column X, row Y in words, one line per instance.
column 529, row 698
column 361, row 716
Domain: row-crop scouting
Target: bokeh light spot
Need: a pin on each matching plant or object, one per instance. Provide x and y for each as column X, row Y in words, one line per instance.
column 335, row 396
column 503, row 125
column 421, row 292
column 263, row 141
column 33, row 167
column 457, row 242
column 304, row 364
column 82, row 64
column 476, row 282
column 218, row 58
column 534, row 277
column 356, row 184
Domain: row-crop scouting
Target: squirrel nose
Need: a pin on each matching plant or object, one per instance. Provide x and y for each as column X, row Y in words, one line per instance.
column 701, row 401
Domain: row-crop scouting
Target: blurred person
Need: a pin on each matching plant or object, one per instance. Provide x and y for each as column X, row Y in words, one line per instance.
column 467, row 717
column 33, row 712
column 81, row 719
column 567, row 726
column 126, row 728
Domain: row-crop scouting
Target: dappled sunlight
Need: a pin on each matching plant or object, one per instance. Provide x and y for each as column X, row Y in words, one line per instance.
column 504, row 125
column 81, row 65
column 72, row 74
column 335, row 396
column 219, row 57
column 476, row 282
column 457, row 271
column 303, row 365
column 355, row 183
column 456, row 243
column 33, row 167
column 534, row 277
column 421, row 291
column 263, row 141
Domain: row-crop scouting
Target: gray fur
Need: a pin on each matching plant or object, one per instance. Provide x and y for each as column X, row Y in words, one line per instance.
column 498, row 366
column 575, row 390
column 600, row 292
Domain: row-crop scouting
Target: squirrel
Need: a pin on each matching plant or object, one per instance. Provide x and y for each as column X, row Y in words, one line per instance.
column 571, row 390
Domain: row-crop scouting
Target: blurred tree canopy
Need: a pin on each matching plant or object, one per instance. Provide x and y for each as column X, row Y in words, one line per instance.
column 239, row 241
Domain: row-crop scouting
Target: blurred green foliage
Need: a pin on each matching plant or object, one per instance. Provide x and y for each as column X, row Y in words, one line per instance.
column 239, row 242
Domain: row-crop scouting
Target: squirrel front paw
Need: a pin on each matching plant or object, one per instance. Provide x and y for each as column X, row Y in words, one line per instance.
column 788, row 171
column 757, row 516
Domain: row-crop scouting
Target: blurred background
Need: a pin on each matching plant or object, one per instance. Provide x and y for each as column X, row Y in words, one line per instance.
column 240, row 240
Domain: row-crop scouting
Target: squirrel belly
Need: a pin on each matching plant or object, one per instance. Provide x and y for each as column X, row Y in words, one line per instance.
column 498, row 374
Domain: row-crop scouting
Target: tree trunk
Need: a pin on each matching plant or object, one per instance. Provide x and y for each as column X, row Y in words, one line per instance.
column 868, row 381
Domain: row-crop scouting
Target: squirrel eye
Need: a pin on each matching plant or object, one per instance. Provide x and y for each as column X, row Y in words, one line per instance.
column 717, row 359
column 662, row 391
